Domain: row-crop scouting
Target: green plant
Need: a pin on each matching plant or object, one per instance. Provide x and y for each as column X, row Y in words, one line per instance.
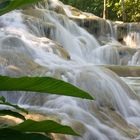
column 41, row 85
column 9, row 5
column 115, row 8
column 29, row 128
column 36, row 84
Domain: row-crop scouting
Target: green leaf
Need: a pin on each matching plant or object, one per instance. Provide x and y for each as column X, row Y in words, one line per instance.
column 9, row 134
column 48, row 126
column 2, row 99
column 9, row 5
column 43, row 85
column 11, row 113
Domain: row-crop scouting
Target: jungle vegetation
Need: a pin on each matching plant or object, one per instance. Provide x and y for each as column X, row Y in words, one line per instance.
column 123, row 10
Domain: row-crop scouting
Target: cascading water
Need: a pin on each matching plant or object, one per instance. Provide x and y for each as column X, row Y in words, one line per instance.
column 132, row 39
column 26, row 50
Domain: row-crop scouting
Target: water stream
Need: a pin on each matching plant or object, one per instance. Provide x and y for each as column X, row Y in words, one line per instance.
column 40, row 42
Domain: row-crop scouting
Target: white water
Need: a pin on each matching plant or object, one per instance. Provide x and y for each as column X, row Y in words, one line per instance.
column 94, row 120
column 132, row 39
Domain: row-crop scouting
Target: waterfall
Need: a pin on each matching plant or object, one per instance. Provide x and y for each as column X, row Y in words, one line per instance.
column 41, row 42
column 132, row 39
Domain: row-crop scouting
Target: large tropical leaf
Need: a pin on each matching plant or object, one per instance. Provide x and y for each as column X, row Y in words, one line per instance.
column 41, row 84
column 9, row 5
column 48, row 126
column 9, row 134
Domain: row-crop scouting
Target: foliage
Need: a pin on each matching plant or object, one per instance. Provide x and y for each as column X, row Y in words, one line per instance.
column 41, row 85
column 93, row 6
column 34, row 127
column 36, row 84
column 9, row 5
column 114, row 8
column 48, row 126
column 18, row 131
column 131, row 9
column 10, row 134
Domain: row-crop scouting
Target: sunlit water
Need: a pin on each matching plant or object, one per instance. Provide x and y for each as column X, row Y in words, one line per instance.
column 26, row 50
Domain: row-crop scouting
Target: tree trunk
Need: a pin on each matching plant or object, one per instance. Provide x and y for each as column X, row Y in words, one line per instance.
column 123, row 10
column 105, row 10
